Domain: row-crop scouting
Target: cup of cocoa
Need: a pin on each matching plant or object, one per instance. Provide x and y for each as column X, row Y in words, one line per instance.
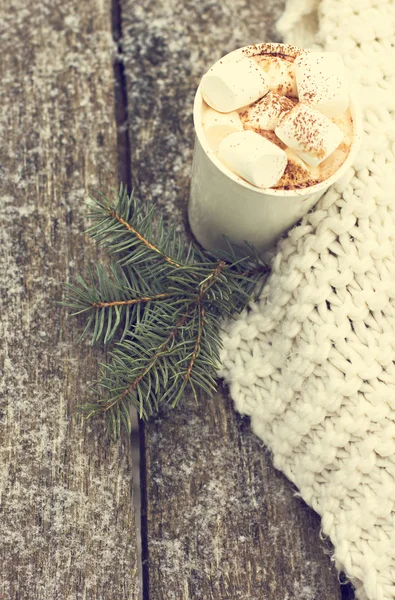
column 276, row 125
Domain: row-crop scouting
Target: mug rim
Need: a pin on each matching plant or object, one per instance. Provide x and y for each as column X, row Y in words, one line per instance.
column 284, row 50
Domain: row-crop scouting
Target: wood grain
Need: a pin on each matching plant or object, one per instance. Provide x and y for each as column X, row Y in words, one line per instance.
column 67, row 524
column 221, row 522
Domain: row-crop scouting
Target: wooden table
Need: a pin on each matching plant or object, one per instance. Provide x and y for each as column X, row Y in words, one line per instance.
column 218, row 521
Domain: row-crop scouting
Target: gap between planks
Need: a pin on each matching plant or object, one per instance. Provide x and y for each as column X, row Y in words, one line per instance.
column 125, row 177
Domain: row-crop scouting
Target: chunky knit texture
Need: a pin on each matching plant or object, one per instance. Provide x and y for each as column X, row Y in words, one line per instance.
column 312, row 362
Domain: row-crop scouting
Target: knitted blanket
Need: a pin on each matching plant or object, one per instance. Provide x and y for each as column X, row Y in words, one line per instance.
column 312, row 363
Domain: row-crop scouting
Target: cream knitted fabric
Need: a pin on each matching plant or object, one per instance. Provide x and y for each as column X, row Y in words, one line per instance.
column 313, row 362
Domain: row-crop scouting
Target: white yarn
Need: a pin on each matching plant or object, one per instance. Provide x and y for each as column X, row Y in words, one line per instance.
column 313, row 362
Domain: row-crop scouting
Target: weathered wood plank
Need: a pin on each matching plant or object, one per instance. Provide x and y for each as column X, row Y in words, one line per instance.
column 221, row 522
column 67, row 527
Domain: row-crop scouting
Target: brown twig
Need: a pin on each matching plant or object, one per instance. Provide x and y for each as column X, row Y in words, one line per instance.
column 207, row 284
column 211, row 278
column 142, row 239
column 130, row 302
column 197, row 344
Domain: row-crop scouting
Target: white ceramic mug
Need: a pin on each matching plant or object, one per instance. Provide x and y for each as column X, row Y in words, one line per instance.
column 222, row 204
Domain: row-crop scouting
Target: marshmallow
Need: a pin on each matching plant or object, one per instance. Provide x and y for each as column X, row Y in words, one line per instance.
column 218, row 125
column 321, row 80
column 228, row 86
column 311, row 135
column 280, row 73
column 267, row 112
column 253, row 158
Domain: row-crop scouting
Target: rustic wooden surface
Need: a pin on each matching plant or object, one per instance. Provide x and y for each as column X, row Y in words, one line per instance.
column 67, row 524
column 220, row 521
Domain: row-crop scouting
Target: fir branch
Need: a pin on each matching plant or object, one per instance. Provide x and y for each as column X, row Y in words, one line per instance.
column 165, row 348
column 164, row 301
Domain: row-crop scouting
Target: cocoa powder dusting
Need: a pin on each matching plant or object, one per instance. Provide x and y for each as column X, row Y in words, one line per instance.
column 271, row 136
column 309, row 127
column 296, row 186
column 272, row 102
column 290, row 59
column 309, row 96
column 274, row 105
column 243, row 114
column 295, row 177
column 344, row 147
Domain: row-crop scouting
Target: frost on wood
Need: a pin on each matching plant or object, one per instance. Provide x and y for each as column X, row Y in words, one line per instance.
column 167, row 46
column 222, row 522
column 67, row 527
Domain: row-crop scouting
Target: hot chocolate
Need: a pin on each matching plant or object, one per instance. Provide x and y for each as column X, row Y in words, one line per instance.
column 299, row 103
column 276, row 139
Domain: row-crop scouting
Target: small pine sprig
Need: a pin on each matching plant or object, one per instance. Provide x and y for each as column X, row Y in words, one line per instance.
column 160, row 304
